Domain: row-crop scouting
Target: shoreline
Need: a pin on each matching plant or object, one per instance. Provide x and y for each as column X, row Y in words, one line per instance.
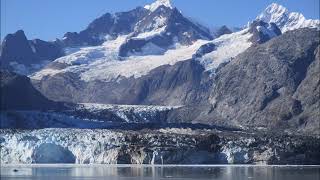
column 148, row 165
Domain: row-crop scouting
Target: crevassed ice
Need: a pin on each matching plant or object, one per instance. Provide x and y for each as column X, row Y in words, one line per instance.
column 135, row 108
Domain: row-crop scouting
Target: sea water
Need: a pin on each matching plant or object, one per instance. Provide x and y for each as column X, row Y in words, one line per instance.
column 172, row 172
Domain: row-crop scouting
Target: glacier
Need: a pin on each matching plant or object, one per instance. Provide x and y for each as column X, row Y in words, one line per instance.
column 87, row 115
column 162, row 146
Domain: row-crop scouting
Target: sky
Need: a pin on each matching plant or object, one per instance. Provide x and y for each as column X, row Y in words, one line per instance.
column 51, row 19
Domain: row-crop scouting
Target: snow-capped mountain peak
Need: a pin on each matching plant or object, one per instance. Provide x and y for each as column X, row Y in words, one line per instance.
column 286, row 20
column 275, row 9
column 274, row 13
column 158, row 3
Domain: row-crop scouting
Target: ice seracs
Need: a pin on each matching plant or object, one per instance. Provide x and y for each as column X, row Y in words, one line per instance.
column 286, row 20
column 158, row 3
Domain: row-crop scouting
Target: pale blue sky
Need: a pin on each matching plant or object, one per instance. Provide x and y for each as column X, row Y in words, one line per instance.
column 50, row 19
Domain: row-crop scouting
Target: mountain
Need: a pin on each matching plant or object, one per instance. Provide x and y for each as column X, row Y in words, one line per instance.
column 222, row 31
column 17, row 93
column 14, row 41
column 286, row 20
column 274, row 85
column 27, row 56
column 154, row 55
column 150, row 86
column 156, row 24
column 161, row 29
column 172, row 78
column 105, row 27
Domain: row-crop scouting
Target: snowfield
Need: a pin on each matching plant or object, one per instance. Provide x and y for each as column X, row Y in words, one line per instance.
column 227, row 47
column 103, row 63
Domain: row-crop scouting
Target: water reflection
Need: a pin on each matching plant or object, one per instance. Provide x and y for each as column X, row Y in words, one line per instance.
column 161, row 172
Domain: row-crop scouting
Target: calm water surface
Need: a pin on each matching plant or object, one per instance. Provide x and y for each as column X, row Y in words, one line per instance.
column 72, row 172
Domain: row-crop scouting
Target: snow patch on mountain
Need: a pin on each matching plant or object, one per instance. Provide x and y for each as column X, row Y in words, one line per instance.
column 137, row 66
column 103, row 63
column 78, row 59
column 150, row 34
column 286, row 20
column 227, row 47
column 158, row 3
column 156, row 27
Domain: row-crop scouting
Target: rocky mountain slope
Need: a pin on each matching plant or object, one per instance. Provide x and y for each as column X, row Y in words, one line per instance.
column 283, row 77
column 174, row 78
column 17, row 93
